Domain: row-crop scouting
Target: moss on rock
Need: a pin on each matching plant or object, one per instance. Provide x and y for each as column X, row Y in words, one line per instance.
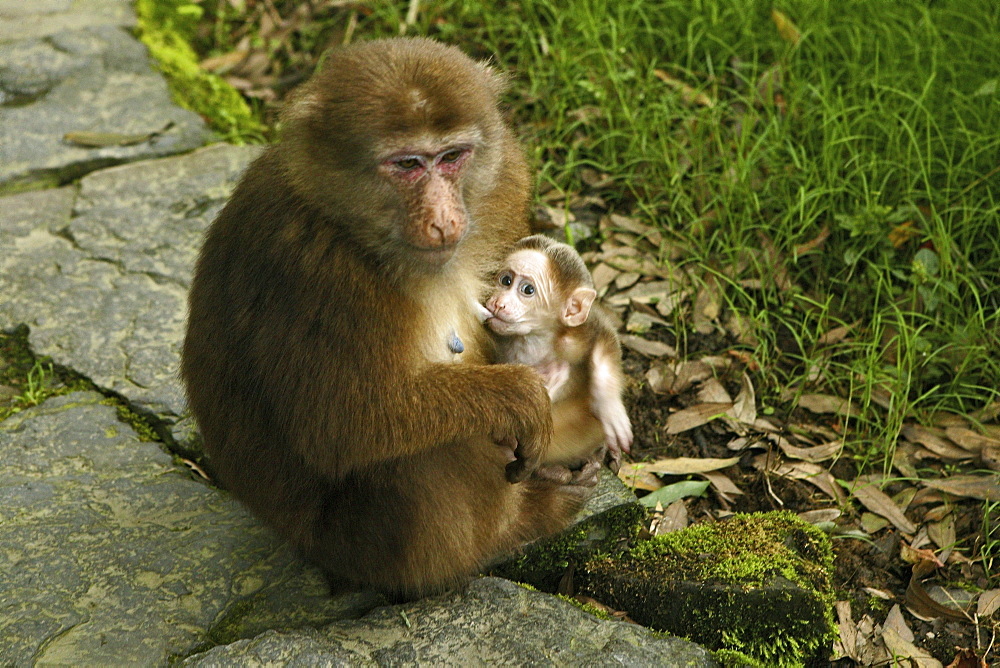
column 608, row 525
column 166, row 28
column 756, row 584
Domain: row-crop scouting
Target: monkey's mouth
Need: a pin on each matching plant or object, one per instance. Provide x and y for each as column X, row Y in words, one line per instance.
column 438, row 255
column 498, row 324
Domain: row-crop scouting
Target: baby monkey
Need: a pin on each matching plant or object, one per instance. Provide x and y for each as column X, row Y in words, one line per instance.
column 541, row 311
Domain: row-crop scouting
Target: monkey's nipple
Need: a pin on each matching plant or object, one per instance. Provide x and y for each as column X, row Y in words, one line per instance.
column 455, row 344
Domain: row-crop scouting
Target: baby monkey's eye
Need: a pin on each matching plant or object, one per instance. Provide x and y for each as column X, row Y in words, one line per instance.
column 528, row 289
column 506, row 280
column 452, row 155
column 408, row 163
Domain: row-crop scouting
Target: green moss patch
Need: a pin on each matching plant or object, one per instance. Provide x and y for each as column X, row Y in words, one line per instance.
column 27, row 380
column 759, row 585
column 166, row 28
column 543, row 563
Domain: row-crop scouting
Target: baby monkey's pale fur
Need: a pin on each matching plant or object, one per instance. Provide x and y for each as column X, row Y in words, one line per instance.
column 541, row 310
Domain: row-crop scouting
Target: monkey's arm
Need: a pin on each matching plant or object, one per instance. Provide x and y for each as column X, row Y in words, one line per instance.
column 606, row 384
column 438, row 405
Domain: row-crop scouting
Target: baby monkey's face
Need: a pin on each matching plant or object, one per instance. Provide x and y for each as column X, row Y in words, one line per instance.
column 522, row 298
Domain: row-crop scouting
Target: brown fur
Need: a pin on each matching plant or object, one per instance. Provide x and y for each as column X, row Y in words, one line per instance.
column 315, row 357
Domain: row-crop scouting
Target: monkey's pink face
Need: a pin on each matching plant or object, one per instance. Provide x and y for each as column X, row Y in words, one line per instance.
column 430, row 185
column 522, row 298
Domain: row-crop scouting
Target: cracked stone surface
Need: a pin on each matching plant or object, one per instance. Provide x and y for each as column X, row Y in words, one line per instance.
column 100, row 273
column 492, row 622
column 112, row 554
column 29, row 19
column 72, row 67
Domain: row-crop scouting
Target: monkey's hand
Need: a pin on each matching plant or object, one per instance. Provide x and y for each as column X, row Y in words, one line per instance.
column 617, row 430
column 529, row 424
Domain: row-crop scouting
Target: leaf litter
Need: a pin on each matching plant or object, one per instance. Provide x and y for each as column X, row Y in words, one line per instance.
column 704, row 450
column 707, row 444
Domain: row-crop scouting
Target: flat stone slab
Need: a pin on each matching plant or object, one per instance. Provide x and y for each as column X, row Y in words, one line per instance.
column 492, row 622
column 68, row 78
column 29, row 19
column 112, row 554
column 100, row 273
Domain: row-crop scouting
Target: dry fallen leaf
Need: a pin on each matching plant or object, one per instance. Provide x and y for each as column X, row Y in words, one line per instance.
column 826, row 403
column 674, row 518
column 707, row 306
column 688, row 465
column 688, row 93
column 105, row 139
column 835, row 335
column 723, row 486
column 970, row 440
column 982, row 487
column 744, row 408
column 603, row 276
column 815, row 454
column 820, row 515
column 943, row 532
column 636, row 476
column 647, row 347
column 989, row 602
column 813, row 243
column 626, row 280
column 878, row 593
column 903, row 649
column 872, row 523
column 811, row 473
column 695, row 416
column 967, row 658
column 933, row 440
column 551, row 218
column 712, row 391
column 920, row 603
column 875, row 500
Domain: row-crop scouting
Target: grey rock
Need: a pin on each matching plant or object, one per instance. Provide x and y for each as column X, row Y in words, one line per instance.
column 112, row 555
column 30, row 19
column 491, row 622
column 94, row 79
column 101, row 275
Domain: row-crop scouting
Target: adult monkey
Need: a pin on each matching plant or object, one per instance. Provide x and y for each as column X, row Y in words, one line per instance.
column 328, row 313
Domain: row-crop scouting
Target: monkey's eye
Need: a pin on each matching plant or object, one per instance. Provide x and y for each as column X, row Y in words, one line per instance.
column 527, row 289
column 408, row 163
column 452, row 155
column 506, row 280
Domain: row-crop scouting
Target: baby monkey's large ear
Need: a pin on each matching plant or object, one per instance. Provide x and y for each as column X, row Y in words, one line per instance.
column 577, row 307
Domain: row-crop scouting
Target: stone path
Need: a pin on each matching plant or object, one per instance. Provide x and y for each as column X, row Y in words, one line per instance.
column 111, row 553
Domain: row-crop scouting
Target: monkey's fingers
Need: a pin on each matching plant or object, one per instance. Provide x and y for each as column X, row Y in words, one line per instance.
column 516, row 471
column 587, row 475
column 556, row 473
column 614, row 460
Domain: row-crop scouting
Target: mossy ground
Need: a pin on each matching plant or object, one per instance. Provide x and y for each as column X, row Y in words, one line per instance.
column 166, row 27
column 543, row 563
column 28, row 380
column 757, row 584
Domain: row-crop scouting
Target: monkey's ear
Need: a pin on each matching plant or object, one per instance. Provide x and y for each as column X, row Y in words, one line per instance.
column 577, row 307
column 301, row 104
column 496, row 80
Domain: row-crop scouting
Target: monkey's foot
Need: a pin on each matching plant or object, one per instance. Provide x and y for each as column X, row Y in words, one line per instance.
column 585, row 476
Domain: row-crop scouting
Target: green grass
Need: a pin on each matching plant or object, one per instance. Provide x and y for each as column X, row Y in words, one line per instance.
column 883, row 123
column 886, row 121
